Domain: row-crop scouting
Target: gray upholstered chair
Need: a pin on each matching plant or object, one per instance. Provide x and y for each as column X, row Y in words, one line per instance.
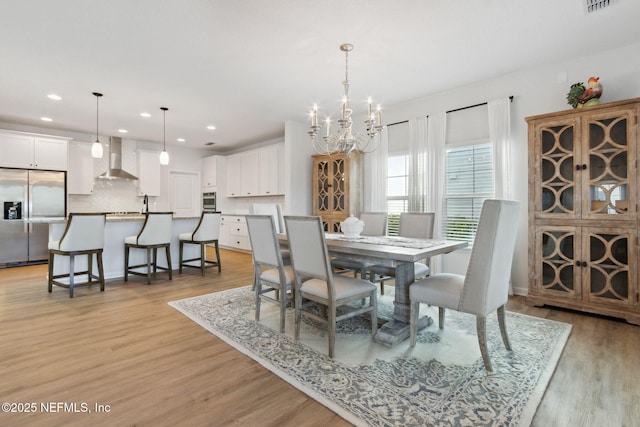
column 272, row 209
column 206, row 233
column 412, row 225
column 315, row 282
column 375, row 224
column 154, row 234
column 485, row 286
column 84, row 235
column 271, row 276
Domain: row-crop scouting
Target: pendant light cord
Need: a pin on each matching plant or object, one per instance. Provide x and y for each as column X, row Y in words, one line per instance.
column 97, row 95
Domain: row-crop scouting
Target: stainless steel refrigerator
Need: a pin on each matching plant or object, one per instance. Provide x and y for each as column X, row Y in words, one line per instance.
column 26, row 194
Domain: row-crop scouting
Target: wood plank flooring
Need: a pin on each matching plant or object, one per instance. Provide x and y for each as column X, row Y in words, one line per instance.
column 147, row 364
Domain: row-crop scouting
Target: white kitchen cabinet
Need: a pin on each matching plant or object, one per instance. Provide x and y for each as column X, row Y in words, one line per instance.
column 270, row 170
column 243, row 174
column 256, row 172
column 234, row 233
column 80, row 176
column 209, row 173
column 30, row 151
column 149, row 173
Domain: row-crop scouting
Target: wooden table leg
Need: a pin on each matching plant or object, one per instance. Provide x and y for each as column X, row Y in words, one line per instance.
column 397, row 330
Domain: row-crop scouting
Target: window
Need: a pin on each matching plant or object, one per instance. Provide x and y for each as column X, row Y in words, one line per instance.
column 397, row 190
column 468, row 182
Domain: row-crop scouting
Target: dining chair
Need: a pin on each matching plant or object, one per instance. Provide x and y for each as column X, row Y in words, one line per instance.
column 206, row 233
column 154, row 234
column 270, row 273
column 84, row 235
column 274, row 210
column 415, row 225
column 375, row 224
column 315, row 282
column 485, row 286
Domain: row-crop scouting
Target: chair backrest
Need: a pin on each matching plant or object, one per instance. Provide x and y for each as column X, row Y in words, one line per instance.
column 156, row 229
column 309, row 255
column 264, row 240
column 486, row 285
column 85, row 231
column 272, row 209
column 208, row 228
column 416, row 225
column 375, row 223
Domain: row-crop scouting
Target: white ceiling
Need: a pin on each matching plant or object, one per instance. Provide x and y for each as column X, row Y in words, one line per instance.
column 247, row 66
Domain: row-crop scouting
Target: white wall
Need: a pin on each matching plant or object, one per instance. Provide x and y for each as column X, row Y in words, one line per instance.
column 537, row 90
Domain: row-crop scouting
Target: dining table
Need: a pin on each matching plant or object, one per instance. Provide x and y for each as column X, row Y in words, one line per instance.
column 399, row 253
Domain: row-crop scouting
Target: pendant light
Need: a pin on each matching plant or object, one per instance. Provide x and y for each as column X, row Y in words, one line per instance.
column 164, row 156
column 96, row 148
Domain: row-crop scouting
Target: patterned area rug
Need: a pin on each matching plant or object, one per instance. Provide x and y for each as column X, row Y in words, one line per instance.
column 440, row 382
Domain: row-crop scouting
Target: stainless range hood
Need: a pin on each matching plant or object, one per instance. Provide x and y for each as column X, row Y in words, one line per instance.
column 115, row 170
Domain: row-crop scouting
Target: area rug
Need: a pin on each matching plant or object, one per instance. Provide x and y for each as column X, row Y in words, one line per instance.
column 440, row 382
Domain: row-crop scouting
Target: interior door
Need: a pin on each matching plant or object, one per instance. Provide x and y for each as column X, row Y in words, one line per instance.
column 184, row 193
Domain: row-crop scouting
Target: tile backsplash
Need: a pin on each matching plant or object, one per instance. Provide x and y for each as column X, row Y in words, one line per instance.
column 109, row 195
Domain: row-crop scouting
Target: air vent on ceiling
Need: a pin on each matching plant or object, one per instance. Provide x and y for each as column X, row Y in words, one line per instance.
column 209, row 143
column 596, row 5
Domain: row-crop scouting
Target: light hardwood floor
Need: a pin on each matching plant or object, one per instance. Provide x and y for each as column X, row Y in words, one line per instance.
column 126, row 348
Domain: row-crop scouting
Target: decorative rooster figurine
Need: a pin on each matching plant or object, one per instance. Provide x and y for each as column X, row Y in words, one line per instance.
column 579, row 96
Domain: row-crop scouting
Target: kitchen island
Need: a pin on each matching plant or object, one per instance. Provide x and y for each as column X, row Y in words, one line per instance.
column 116, row 229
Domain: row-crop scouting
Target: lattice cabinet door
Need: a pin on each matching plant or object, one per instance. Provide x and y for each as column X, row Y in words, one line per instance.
column 555, row 187
column 610, row 266
column 608, row 166
column 322, row 181
column 557, row 255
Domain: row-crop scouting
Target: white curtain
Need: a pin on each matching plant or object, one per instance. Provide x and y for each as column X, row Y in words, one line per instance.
column 436, row 158
column 418, row 173
column 426, row 169
column 375, row 174
column 500, row 134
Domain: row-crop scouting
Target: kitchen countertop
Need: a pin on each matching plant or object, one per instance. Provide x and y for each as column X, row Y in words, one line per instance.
column 110, row 218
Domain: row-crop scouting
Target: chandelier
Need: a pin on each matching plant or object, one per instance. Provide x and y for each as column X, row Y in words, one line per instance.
column 344, row 139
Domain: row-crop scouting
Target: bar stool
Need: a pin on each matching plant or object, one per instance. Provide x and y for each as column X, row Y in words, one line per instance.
column 207, row 232
column 155, row 233
column 84, row 235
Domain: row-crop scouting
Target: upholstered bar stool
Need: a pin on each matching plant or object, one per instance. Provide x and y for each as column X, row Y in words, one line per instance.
column 155, row 233
column 84, row 235
column 206, row 233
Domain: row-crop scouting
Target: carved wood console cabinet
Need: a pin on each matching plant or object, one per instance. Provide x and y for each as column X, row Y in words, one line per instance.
column 583, row 209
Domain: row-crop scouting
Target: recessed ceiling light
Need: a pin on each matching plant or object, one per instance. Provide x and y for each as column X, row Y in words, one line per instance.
column 181, row 140
column 211, row 127
column 54, row 96
column 123, row 131
column 46, row 119
column 146, row 115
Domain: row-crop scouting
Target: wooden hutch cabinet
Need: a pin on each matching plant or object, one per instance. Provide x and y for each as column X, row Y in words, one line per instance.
column 337, row 182
column 583, row 209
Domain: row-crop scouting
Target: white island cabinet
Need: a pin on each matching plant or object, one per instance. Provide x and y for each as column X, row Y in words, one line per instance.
column 117, row 228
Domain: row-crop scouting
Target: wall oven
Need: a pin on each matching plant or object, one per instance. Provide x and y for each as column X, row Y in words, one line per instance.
column 209, row 202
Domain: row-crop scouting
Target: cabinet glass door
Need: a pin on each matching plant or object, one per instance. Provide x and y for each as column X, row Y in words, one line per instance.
column 610, row 169
column 556, row 269
column 611, row 278
column 339, row 190
column 556, row 186
column 323, row 184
